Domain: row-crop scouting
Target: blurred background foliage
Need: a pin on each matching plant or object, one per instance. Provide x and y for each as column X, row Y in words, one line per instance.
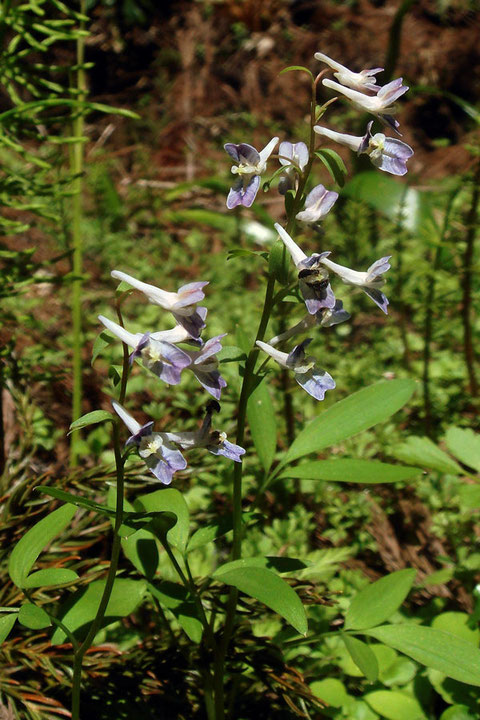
column 200, row 74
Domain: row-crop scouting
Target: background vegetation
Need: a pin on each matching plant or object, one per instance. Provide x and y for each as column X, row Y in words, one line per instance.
column 199, row 74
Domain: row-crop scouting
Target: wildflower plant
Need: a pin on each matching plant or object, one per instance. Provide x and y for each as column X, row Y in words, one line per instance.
column 206, row 609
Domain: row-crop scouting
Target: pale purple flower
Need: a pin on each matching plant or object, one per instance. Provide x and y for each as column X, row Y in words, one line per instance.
column 363, row 80
column 162, row 458
column 388, row 154
column 370, row 281
column 251, row 164
column 318, row 203
column 182, row 304
column 312, row 277
column 212, row 440
column 380, row 105
column 204, row 366
column 326, row 317
column 294, row 156
column 163, row 358
column 312, row 378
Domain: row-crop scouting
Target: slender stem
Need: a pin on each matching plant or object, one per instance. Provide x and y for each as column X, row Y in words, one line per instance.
column 76, row 164
column 467, row 284
column 97, row 623
column 429, row 314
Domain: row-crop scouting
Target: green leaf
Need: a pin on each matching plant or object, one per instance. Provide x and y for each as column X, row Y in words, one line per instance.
column 411, row 208
column 169, row 500
column 451, row 655
column 6, row 624
column 81, row 608
column 379, row 600
column 334, row 164
column 465, row 445
column 459, row 624
column 33, row 617
column 29, row 547
column 458, row 712
column 331, row 691
column 422, row 451
column 50, row 576
column 101, row 342
column 269, row 589
column 262, row 422
column 76, row 500
column 362, row 656
column 178, row 600
column 351, row 471
column 394, row 705
column 281, row 564
column 469, row 495
column 209, row 533
column 301, row 68
column 91, row 418
column 357, row 412
column 278, row 262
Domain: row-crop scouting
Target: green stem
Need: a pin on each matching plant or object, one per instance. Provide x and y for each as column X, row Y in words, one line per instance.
column 467, row 275
column 76, row 166
column 97, row 623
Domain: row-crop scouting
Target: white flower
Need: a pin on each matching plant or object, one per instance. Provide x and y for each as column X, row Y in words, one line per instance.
column 251, row 164
column 363, row 80
column 308, row 375
column 388, row 154
column 318, row 203
column 370, row 281
column 379, row 105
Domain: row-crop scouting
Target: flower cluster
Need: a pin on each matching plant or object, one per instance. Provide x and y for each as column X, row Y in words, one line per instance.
column 159, row 353
column 313, row 271
column 388, row 154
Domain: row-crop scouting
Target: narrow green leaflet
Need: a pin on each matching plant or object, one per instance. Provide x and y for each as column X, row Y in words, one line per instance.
column 357, row 412
column 362, row 656
column 50, row 576
column 29, row 547
column 465, row 445
column 263, row 425
column 33, row 617
column 76, row 500
column 177, row 599
column 395, row 705
column 281, row 564
column 269, row 589
column 379, row 600
column 169, row 500
column 91, row 418
column 207, row 534
column 6, row 624
column 451, row 655
column 278, row 262
column 351, row 471
column 301, row 68
column 334, row 164
column 81, row 608
column 422, row 451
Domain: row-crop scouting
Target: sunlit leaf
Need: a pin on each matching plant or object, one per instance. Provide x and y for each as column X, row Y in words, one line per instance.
column 91, row 418
column 451, row 655
column 6, row 624
column 169, row 500
column 81, row 608
column 50, row 576
column 362, row 656
column 269, row 589
column 29, row 547
column 351, row 471
column 33, row 617
column 357, row 412
column 262, row 423
column 422, row 451
column 379, row 600
column 465, row 445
